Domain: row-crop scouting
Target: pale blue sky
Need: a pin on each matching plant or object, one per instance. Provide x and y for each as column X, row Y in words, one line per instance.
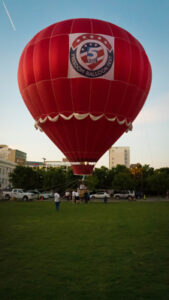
column 147, row 20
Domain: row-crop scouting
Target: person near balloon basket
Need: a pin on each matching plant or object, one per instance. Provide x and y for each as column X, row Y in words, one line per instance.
column 57, row 200
column 73, row 196
column 67, row 195
column 77, row 199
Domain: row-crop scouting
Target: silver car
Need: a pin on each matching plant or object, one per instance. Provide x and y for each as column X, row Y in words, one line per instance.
column 99, row 195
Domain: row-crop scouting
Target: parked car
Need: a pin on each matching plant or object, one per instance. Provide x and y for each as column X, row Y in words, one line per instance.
column 99, row 195
column 46, row 195
column 124, row 195
column 18, row 194
column 35, row 192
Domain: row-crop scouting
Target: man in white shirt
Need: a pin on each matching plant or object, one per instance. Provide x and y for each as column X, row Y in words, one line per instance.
column 77, row 197
column 57, row 200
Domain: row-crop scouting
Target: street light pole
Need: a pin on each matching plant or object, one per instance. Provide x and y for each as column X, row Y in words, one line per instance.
column 44, row 162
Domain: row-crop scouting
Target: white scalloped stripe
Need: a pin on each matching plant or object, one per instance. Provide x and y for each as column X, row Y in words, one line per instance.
column 78, row 116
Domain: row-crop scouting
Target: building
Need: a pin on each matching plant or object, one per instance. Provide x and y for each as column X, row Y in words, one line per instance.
column 15, row 156
column 34, row 164
column 6, row 167
column 119, row 156
column 48, row 164
column 4, row 152
column 55, row 164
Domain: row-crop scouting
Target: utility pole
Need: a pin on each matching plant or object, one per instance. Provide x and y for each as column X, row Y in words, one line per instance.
column 44, row 162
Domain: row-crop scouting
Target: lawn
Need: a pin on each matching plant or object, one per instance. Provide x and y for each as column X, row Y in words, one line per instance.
column 85, row 251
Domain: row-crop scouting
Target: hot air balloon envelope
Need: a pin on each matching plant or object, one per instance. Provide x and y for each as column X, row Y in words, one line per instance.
column 84, row 81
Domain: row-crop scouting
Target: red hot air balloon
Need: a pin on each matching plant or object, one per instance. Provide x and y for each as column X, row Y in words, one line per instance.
column 84, row 81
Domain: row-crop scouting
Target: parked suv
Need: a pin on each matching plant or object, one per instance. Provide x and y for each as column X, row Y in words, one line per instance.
column 124, row 195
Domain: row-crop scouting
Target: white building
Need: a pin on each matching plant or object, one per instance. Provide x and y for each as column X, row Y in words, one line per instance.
column 119, row 156
column 48, row 164
column 57, row 163
column 6, row 167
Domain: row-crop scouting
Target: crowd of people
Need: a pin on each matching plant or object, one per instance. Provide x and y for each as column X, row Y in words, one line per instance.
column 71, row 196
column 75, row 197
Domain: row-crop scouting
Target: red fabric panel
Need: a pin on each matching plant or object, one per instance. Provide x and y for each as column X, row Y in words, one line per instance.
column 146, row 74
column 55, row 135
column 121, row 33
column 58, row 56
column 32, row 107
column 101, row 136
column 41, row 60
column 136, row 66
column 36, row 101
column 46, row 94
column 101, row 27
column 116, row 98
column 21, row 79
column 81, row 26
column 118, row 32
column 43, row 34
column 123, row 57
column 63, row 27
column 131, row 64
column 99, row 95
column 62, row 95
column 28, row 68
column 81, row 89
column 132, row 98
column 140, row 102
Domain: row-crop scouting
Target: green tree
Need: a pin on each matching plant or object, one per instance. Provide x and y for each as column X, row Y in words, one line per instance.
column 140, row 175
column 137, row 175
column 121, row 169
column 123, row 181
column 23, row 177
column 110, row 177
column 102, row 176
column 72, row 181
column 55, row 179
column 147, row 172
column 92, row 182
column 40, row 178
column 158, row 183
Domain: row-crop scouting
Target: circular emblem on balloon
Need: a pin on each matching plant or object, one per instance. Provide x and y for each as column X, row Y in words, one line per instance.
column 91, row 55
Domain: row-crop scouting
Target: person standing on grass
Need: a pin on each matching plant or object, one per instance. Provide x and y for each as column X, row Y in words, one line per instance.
column 86, row 197
column 57, row 200
column 105, row 197
column 77, row 197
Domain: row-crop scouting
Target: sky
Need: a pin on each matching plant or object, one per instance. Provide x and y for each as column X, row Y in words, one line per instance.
column 146, row 20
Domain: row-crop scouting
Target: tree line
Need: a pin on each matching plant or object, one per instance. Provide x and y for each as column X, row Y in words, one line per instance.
column 140, row 178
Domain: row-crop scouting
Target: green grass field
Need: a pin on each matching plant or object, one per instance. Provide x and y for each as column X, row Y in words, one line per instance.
column 86, row 251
